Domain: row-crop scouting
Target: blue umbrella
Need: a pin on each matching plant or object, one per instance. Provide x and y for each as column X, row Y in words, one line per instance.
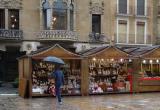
column 54, row 60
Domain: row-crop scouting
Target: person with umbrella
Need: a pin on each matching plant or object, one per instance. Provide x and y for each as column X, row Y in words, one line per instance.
column 58, row 75
column 59, row 81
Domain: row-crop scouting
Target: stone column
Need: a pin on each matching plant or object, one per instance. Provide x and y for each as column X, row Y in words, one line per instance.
column 6, row 19
column 41, row 19
column 20, row 19
column 68, row 19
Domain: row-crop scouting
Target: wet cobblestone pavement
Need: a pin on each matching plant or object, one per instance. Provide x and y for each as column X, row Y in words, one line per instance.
column 7, row 88
column 147, row 101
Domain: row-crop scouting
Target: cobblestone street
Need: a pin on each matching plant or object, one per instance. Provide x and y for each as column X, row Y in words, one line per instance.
column 147, row 101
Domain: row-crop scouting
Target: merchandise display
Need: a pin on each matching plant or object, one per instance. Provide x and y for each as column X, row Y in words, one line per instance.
column 150, row 68
column 43, row 82
column 108, row 75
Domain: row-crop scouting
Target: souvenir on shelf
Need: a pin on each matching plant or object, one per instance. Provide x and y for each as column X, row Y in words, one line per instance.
column 107, row 76
column 43, row 81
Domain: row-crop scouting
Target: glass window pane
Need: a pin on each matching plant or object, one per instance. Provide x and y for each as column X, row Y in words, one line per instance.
column 59, row 20
column 122, row 31
column 71, row 17
column 123, row 6
column 158, row 25
column 96, row 23
column 140, row 7
column 47, row 16
column 2, row 19
column 140, row 32
column 13, row 19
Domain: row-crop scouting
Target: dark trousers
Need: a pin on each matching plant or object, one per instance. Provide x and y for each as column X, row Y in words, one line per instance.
column 58, row 93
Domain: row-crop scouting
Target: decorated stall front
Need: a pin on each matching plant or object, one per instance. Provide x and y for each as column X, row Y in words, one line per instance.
column 34, row 72
column 108, row 70
column 149, row 74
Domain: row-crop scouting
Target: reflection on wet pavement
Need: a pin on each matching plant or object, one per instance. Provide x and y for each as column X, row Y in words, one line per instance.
column 147, row 101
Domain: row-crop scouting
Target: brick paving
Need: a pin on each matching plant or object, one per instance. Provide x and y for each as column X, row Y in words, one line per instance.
column 147, row 101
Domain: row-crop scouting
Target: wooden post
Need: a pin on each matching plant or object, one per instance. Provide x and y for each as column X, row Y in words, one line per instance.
column 84, row 77
column 30, row 76
column 136, row 68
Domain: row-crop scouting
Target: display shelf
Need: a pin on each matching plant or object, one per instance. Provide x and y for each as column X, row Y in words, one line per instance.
column 149, row 78
column 43, row 80
column 108, row 77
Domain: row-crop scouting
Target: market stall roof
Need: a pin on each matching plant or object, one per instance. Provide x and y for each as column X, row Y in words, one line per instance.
column 56, row 50
column 144, row 52
column 152, row 54
column 106, row 52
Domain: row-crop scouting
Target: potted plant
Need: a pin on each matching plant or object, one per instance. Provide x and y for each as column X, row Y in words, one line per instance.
column 15, row 83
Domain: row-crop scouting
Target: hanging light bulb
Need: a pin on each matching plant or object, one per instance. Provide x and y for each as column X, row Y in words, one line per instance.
column 157, row 61
column 121, row 60
column 144, row 61
column 130, row 60
column 94, row 59
column 13, row 25
column 150, row 61
column 102, row 59
column 112, row 59
column 12, row 16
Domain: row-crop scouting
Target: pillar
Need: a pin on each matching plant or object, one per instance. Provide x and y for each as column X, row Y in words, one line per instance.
column 136, row 69
column 6, row 18
column 84, row 77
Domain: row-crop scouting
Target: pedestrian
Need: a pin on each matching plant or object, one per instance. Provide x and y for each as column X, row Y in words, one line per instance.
column 59, row 82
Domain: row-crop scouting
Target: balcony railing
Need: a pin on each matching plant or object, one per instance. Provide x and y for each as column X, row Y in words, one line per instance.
column 58, row 35
column 11, row 34
column 96, row 37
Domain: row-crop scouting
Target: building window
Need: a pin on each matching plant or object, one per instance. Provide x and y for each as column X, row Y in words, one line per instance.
column 71, row 17
column 140, row 36
column 13, row 19
column 2, row 19
column 59, row 19
column 158, row 28
column 122, row 31
column 58, row 16
column 141, row 7
column 96, row 23
column 122, row 6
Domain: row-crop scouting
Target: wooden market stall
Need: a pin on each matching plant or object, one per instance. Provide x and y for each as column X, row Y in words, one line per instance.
column 149, row 68
column 108, row 70
column 34, row 72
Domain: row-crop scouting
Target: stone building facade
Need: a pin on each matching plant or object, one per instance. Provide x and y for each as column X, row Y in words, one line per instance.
column 26, row 25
